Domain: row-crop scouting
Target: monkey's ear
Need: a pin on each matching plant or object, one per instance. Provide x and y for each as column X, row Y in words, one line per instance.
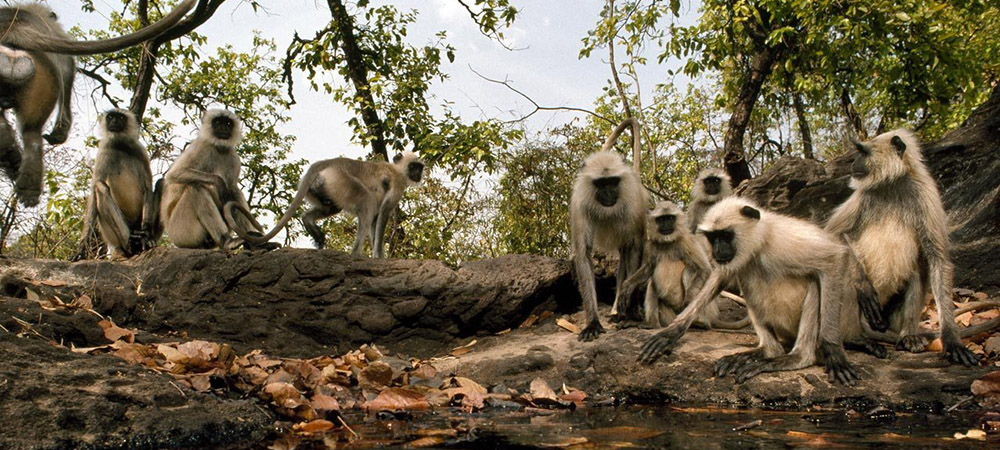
column 750, row 212
column 395, row 159
column 899, row 144
column 861, row 147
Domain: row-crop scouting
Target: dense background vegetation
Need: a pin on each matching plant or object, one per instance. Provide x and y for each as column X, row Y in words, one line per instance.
column 757, row 80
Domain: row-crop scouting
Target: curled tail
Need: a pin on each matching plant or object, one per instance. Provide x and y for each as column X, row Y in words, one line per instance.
column 307, row 180
column 636, row 133
column 721, row 324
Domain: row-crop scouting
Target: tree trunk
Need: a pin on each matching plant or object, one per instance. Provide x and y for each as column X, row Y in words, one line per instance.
column 852, row 116
column 800, row 116
column 761, row 65
column 358, row 73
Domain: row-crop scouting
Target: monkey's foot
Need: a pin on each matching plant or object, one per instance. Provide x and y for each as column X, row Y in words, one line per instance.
column 591, row 332
column 730, row 364
column 957, row 353
column 912, row 343
column 751, row 368
column 57, row 136
column 837, row 367
column 29, row 186
column 625, row 324
column 28, row 196
column 661, row 343
column 869, row 346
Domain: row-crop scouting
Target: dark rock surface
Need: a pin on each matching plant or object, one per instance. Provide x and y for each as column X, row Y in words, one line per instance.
column 296, row 302
column 51, row 398
column 608, row 366
column 966, row 163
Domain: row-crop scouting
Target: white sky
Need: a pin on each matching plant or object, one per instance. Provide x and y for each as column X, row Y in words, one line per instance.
column 548, row 33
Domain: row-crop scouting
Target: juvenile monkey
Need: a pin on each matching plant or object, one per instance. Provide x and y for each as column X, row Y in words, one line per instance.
column 370, row 190
column 36, row 74
column 201, row 181
column 896, row 225
column 710, row 186
column 791, row 273
column 121, row 202
column 607, row 213
column 676, row 268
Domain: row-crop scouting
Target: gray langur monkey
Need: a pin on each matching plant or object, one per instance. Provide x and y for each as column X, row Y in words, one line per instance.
column 676, row 268
column 607, row 213
column 896, row 225
column 370, row 190
column 121, row 202
column 36, row 75
column 201, row 181
column 791, row 272
column 710, row 186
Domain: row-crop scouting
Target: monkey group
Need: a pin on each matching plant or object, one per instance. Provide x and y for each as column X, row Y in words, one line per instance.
column 811, row 291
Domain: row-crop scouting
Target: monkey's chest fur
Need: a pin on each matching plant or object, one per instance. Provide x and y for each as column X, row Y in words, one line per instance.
column 889, row 253
column 668, row 281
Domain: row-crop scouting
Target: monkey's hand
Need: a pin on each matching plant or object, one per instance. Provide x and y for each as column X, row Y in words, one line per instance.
column 870, row 306
column 661, row 343
column 837, row 367
column 57, row 136
column 731, row 363
column 140, row 241
column 957, row 353
column 592, row 331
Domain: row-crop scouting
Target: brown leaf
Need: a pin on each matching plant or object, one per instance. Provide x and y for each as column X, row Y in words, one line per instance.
column 564, row 442
column 392, row 399
column 171, row 354
column 113, row 332
column 987, row 386
column 371, row 352
column 203, row 350
column 324, row 403
column 992, row 345
column 964, row 318
column 935, row 346
column 541, row 390
column 567, row 325
column 446, row 432
column 465, row 383
column 424, row 371
column 200, row 383
column 469, row 399
column 376, row 376
column 429, row 441
column 314, row 426
column 52, row 283
column 283, row 394
column 83, row 302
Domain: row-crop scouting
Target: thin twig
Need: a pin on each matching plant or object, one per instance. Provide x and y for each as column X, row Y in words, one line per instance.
column 535, row 104
column 341, row 419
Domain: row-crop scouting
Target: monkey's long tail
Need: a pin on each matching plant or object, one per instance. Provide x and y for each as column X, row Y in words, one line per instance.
column 727, row 325
column 307, row 180
column 636, row 135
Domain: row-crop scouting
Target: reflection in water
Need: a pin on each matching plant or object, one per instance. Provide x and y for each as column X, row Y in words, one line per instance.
column 642, row 427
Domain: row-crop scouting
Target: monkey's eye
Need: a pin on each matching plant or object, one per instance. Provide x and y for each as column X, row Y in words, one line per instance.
column 606, row 182
column 719, row 235
column 713, row 180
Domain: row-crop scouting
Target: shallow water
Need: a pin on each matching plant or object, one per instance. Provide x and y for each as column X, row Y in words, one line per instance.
column 645, row 427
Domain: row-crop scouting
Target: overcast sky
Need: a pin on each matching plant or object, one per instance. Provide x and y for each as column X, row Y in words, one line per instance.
column 547, row 33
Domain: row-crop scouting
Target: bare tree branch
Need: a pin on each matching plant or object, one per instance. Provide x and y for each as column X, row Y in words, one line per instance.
column 537, row 107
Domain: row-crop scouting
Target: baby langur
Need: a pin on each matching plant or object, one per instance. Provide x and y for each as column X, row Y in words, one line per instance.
column 370, row 190
column 896, row 225
column 203, row 179
column 676, row 268
column 607, row 213
column 710, row 186
column 121, row 202
column 791, row 273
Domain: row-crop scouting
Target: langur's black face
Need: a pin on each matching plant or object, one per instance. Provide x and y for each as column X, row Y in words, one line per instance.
column 606, row 190
column 713, row 185
column 116, row 121
column 859, row 169
column 723, row 247
column 415, row 171
column 666, row 224
column 222, row 127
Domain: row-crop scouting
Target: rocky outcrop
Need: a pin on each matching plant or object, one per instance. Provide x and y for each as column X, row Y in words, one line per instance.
column 966, row 163
column 297, row 302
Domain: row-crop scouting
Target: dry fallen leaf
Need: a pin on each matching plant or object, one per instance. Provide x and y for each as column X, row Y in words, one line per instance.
column 935, row 345
column 397, row 399
column 565, row 442
column 52, row 283
column 323, row 403
column 429, row 441
column 313, row 426
column 114, row 333
column 975, row 434
column 567, row 325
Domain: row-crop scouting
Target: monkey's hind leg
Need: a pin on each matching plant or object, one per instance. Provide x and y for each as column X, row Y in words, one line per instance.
column 907, row 315
column 10, row 150
column 110, row 219
column 309, row 220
